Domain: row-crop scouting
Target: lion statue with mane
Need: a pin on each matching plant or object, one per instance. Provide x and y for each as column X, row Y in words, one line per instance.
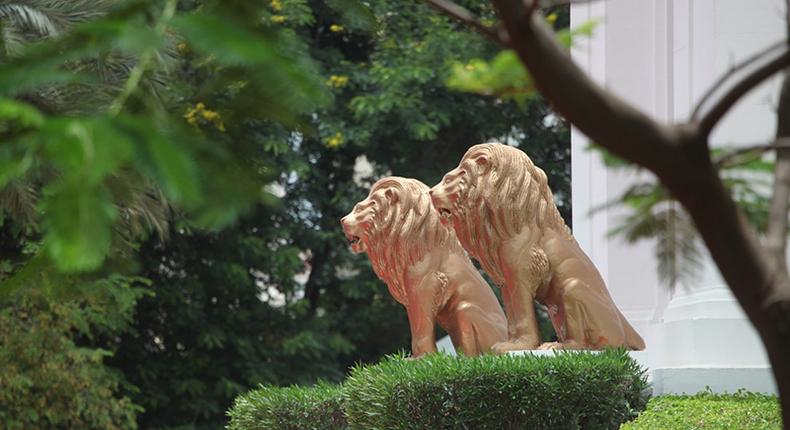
column 425, row 268
column 503, row 213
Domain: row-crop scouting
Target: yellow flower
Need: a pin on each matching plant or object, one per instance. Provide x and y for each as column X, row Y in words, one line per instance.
column 336, row 28
column 182, row 48
column 552, row 18
column 337, row 81
column 277, row 5
column 210, row 115
column 335, row 141
column 469, row 67
column 194, row 114
column 279, row 19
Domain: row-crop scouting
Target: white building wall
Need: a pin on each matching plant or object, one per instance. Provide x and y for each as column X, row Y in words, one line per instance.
column 662, row 55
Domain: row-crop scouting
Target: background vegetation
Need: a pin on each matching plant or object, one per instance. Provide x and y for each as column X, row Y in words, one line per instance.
column 171, row 178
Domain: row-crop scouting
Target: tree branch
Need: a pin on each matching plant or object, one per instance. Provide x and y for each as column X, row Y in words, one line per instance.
column 602, row 116
column 724, row 160
column 776, row 232
column 696, row 113
column 747, row 75
column 552, row 3
column 461, row 14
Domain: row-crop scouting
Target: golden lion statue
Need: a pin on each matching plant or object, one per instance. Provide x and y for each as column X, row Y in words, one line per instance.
column 504, row 215
column 425, row 268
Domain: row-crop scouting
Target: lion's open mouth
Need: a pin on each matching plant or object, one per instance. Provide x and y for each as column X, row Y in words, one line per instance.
column 445, row 213
column 354, row 240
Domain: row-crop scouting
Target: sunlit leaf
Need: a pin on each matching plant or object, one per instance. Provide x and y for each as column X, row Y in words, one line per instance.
column 355, row 13
column 78, row 225
column 87, row 149
column 228, row 43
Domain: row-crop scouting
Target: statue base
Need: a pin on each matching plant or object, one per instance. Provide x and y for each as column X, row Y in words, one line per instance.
column 639, row 356
column 693, row 379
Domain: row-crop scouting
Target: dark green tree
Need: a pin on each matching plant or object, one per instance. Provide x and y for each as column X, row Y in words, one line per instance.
column 278, row 298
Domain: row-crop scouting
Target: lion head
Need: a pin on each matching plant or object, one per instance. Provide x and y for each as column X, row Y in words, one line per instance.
column 395, row 225
column 492, row 195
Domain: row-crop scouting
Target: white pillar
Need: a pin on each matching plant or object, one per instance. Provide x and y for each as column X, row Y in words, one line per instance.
column 662, row 55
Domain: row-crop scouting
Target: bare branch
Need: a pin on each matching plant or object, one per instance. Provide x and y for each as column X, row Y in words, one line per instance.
column 776, row 231
column 461, row 14
column 747, row 75
column 551, row 3
column 726, row 159
column 748, row 62
column 604, row 117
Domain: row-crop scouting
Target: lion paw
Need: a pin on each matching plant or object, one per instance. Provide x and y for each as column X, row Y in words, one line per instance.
column 514, row 345
column 547, row 346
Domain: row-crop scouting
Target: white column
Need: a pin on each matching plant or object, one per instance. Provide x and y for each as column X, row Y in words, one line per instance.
column 662, row 55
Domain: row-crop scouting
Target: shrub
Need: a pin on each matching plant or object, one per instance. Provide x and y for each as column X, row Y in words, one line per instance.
column 743, row 411
column 573, row 390
column 289, row 408
column 48, row 380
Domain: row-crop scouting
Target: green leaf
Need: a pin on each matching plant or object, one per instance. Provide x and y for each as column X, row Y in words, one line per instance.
column 504, row 76
column 87, row 149
column 24, row 114
column 586, row 29
column 355, row 13
column 78, row 224
column 15, row 160
column 228, row 43
column 127, row 35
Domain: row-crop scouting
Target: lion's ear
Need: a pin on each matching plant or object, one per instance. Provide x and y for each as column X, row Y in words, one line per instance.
column 391, row 195
column 482, row 161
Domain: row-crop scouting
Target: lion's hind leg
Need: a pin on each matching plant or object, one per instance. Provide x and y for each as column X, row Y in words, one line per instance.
column 476, row 330
column 592, row 321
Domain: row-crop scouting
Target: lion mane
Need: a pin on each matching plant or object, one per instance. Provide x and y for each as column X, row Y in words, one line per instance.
column 403, row 230
column 510, row 194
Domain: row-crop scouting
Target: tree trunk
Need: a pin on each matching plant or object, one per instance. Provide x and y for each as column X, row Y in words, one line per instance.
column 776, row 236
column 776, row 243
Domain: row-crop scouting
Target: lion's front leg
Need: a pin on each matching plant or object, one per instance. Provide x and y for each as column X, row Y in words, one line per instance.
column 422, row 318
column 522, row 323
column 519, row 301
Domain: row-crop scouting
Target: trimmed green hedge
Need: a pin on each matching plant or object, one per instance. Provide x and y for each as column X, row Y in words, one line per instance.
column 573, row 390
column 289, row 408
column 742, row 411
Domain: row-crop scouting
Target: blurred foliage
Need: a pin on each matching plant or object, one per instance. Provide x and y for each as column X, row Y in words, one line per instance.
column 48, row 380
column 504, row 76
column 651, row 213
column 211, row 147
column 96, row 126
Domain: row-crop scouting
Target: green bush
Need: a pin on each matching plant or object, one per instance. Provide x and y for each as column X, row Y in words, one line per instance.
column 569, row 391
column 289, row 408
column 742, row 411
